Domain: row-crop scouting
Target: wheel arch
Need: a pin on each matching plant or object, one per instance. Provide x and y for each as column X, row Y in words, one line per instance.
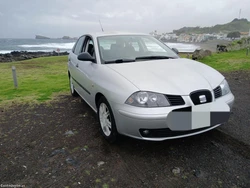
column 97, row 98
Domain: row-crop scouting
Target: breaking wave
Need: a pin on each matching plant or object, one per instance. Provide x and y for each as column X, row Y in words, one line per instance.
column 66, row 46
column 5, row 51
column 48, row 50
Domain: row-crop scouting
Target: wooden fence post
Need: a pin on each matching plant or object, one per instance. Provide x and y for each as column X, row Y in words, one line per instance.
column 14, row 76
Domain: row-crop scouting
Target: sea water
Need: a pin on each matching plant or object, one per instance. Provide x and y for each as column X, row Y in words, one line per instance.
column 34, row 45
column 49, row 45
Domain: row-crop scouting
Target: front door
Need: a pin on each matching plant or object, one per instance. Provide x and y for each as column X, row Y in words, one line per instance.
column 74, row 64
column 85, row 73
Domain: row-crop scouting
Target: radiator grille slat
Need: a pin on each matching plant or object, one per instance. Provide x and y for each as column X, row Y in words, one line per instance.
column 217, row 92
column 175, row 100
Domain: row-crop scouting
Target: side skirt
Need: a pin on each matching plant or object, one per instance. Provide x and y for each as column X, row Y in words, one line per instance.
column 86, row 101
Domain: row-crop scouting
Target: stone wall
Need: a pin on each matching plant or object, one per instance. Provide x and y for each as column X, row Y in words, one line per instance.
column 23, row 55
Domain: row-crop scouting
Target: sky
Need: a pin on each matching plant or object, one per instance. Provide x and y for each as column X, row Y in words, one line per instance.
column 57, row 18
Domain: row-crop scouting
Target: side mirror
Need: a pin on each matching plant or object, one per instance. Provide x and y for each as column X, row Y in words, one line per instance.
column 175, row 50
column 85, row 56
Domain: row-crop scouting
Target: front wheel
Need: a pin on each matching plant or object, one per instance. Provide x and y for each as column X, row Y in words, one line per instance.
column 72, row 88
column 106, row 120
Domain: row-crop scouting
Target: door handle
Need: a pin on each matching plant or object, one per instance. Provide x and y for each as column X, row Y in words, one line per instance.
column 77, row 65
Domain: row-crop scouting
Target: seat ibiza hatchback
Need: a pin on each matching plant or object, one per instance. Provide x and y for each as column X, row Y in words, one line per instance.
column 141, row 88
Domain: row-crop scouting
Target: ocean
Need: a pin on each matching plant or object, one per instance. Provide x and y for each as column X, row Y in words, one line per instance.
column 49, row 45
column 34, row 45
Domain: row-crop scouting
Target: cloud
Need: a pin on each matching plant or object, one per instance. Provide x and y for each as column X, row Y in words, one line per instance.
column 56, row 17
column 74, row 16
column 63, row 21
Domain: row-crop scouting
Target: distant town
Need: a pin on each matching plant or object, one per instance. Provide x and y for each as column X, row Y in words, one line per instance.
column 236, row 29
column 196, row 38
column 183, row 37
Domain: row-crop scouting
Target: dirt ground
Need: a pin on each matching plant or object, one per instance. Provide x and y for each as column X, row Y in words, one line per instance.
column 59, row 145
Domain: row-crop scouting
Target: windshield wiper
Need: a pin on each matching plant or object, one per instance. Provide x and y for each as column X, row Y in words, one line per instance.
column 155, row 57
column 119, row 61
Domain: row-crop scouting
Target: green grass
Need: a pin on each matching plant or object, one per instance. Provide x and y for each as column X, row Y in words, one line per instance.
column 42, row 78
column 38, row 79
column 229, row 61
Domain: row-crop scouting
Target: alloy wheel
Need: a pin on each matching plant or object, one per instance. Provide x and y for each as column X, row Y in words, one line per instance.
column 105, row 119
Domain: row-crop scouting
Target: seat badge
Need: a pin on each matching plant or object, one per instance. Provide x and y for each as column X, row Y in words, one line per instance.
column 202, row 98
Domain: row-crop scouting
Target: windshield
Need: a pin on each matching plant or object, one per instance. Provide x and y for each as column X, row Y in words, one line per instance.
column 132, row 47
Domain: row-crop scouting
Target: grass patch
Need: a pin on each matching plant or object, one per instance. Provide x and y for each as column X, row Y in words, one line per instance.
column 43, row 79
column 38, row 79
column 228, row 61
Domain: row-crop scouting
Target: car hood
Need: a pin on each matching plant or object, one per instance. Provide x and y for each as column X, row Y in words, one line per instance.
column 172, row 76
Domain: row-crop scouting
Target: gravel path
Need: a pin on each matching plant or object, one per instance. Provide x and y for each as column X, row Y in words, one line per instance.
column 59, row 145
column 239, row 123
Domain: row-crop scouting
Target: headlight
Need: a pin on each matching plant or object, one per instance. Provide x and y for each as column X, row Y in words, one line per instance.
column 147, row 99
column 224, row 87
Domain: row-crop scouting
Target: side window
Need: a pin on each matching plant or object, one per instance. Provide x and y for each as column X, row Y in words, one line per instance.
column 78, row 46
column 90, row 47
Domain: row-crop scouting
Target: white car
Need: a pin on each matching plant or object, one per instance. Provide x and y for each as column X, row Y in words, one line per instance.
column 141, row 88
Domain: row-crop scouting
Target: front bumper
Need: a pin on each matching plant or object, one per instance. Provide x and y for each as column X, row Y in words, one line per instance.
column 131, row 121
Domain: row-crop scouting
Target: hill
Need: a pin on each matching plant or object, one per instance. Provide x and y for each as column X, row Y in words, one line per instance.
column 242, row 25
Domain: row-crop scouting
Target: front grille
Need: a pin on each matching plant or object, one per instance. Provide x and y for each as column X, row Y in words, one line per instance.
column 159, row 133
column 217, row 92
column 175, row 100
column 195, row 96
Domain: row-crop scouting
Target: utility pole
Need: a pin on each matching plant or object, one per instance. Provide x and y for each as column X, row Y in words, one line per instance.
column 239, row 13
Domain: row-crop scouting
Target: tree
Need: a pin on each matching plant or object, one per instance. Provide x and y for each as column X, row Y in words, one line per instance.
column 235, row 34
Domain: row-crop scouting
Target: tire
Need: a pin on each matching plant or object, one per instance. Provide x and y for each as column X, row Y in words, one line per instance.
column 71, row 86
column 106, row 122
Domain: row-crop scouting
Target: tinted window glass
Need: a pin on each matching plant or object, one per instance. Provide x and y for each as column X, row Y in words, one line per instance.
column 79, row 45
column 90, row 48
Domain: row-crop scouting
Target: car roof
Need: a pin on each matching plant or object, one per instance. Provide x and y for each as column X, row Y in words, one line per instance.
column 102, row 34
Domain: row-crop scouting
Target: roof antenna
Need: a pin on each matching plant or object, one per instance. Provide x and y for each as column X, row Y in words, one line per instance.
column 101, row 25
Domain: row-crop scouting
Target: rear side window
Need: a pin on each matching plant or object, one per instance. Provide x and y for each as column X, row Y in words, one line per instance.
column 79, row 45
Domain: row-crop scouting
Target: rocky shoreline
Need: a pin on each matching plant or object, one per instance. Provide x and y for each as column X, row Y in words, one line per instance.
column 24, row 55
